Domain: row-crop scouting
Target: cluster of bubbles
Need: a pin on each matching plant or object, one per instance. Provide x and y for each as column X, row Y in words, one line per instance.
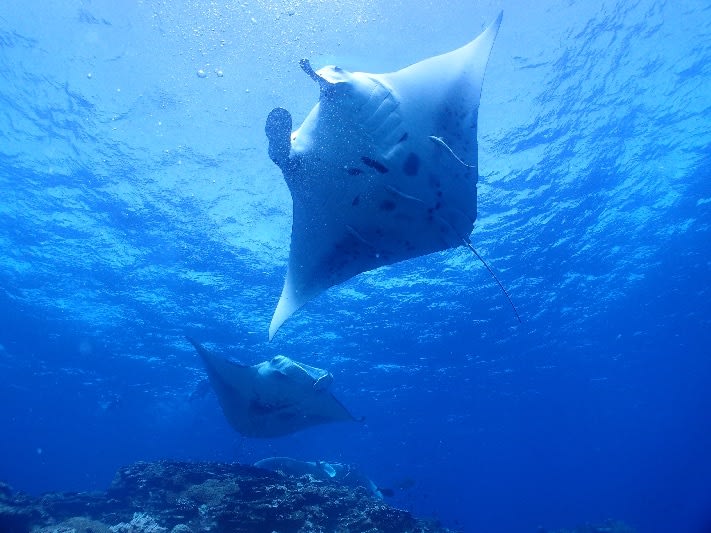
column 201, row 73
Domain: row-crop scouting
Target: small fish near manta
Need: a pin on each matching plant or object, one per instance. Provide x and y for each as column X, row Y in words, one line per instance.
column 272, row 398
column 383, row 169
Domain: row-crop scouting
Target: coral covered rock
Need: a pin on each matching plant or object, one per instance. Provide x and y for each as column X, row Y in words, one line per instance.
column 176, row 497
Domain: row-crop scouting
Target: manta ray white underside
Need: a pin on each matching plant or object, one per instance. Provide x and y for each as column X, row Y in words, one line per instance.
column 383, row 169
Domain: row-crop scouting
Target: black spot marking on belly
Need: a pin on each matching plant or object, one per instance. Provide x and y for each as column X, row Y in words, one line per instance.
column 372, row 163
column 403, row 138
column 388, row 205
column 411, row 165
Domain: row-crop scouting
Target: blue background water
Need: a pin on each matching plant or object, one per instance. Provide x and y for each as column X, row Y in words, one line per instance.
column 137, row 204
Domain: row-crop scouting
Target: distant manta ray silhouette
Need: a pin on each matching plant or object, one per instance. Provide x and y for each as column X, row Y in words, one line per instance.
column 272, row 398
column 383, row 169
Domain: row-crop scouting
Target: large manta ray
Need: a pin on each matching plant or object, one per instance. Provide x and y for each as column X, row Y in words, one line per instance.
column 272, row 398
column 383, row 169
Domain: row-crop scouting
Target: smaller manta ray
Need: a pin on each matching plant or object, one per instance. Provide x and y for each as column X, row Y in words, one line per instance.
column 383, row 169
column 345, row 474
column 272, row 398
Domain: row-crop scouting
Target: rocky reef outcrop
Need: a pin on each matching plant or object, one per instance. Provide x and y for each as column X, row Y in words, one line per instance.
column 179, row 497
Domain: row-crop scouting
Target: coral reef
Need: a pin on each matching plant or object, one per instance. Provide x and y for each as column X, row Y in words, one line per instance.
column 177, row 497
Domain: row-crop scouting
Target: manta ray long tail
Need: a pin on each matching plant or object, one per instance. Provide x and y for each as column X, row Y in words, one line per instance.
column 503, row 289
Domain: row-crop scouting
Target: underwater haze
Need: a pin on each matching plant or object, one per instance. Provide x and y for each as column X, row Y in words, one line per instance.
column 138, row 204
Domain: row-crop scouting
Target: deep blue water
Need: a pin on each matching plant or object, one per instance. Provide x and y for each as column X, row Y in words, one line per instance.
column 138, row 204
